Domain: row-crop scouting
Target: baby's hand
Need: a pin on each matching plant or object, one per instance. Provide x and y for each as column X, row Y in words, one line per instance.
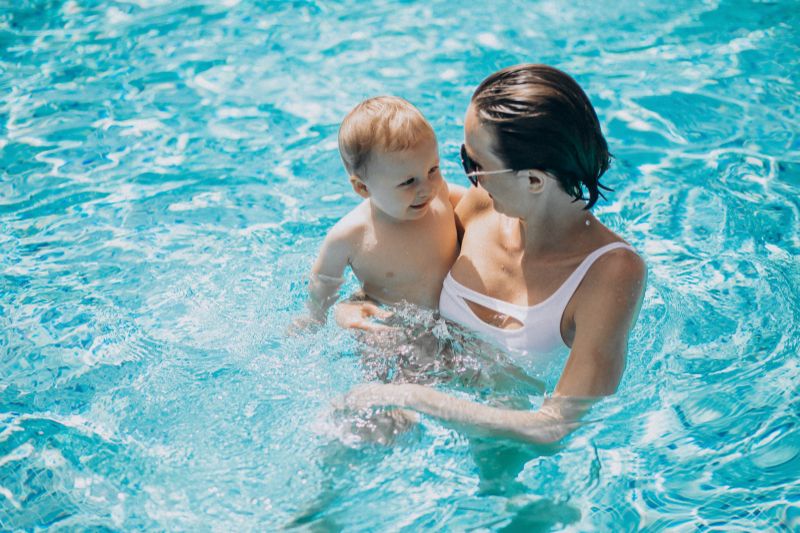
column 358, row 315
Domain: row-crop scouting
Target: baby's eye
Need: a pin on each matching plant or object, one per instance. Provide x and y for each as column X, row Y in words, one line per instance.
column 434, row 169
column 406, row 183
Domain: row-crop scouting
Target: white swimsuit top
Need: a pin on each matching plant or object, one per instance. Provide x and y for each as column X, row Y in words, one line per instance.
column 540, row 334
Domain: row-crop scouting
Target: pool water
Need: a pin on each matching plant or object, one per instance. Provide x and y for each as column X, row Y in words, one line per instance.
column 168, row 169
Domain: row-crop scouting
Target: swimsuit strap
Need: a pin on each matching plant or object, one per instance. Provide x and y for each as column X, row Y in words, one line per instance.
column 563, row 294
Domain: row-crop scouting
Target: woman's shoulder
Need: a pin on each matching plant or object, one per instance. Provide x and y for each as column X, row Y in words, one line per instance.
column 622, row 264
column 474, row 203
column 619, row 270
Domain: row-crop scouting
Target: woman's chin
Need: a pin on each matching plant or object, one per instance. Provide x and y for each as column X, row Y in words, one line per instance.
column 503, row 211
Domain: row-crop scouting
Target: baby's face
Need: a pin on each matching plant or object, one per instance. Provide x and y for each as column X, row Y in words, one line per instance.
column 403, row 184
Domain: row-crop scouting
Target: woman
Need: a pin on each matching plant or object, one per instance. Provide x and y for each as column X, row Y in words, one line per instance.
column 537, row 272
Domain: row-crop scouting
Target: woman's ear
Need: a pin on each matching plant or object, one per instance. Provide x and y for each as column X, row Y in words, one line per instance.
column 359, row 186
column 536, row 180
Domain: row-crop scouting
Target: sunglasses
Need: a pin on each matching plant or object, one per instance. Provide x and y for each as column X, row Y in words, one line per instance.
column 471, row 168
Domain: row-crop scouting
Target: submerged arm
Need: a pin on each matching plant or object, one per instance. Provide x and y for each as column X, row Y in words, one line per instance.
column 323, row 291
column 604, row 316
column 557, row 417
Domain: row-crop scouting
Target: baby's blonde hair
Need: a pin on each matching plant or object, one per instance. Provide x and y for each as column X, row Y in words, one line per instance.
column 386, row 122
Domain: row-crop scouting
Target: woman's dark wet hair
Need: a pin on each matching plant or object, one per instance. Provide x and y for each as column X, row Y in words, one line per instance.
column 543, row 120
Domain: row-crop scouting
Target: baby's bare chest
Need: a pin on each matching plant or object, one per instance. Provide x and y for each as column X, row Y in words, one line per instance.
column 407, row 263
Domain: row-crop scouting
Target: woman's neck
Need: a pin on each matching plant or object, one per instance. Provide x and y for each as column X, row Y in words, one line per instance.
column 556, row 230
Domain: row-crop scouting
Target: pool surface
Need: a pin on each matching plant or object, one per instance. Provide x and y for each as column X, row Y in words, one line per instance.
column 168, row 169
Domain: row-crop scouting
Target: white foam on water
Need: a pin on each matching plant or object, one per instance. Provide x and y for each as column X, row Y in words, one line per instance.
column 115, row 158
column 657, row 425
column 172, row 160
column 71, row 7
column 52, row 458
column 311, row 111
column 394, row 72
column 183, row 140
column 22, row 451
column 135, row 126
column 237, row 112
column 449, row 74
column 147, row 4
column 489, row 39
column 201, row 81
column 227, row 132
column 10, row 497
column 199, row 201
column 249, row 230
column 115, row 16
column 31, row 141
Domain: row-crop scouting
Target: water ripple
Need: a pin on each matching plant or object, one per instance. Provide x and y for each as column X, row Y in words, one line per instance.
column 169, row 168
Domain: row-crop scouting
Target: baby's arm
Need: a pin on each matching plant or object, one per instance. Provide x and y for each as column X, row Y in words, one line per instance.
column 326, row 274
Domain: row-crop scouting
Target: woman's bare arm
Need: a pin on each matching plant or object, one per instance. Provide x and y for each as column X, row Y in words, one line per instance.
column 608, row 305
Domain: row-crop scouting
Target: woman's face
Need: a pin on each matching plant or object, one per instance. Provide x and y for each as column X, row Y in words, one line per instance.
column 509, row 190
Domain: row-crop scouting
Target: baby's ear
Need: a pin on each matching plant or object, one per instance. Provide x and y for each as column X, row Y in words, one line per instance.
column 359, row 186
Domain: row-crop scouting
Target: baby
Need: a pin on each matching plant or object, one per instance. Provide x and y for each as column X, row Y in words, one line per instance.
column 401, row 240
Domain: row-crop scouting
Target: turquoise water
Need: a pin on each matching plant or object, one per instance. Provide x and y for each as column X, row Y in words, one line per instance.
column 167, row 172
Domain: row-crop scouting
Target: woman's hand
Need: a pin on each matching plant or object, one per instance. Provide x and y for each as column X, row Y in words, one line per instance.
column 381, row 426
column 359, row 315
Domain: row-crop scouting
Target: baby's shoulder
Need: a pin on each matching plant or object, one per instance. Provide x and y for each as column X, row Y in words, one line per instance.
column 351, row 227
